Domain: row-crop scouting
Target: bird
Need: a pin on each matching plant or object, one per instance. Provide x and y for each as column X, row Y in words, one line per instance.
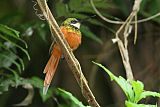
column 71, row 31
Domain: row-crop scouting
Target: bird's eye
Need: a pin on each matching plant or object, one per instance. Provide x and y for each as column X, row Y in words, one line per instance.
column 74, row 21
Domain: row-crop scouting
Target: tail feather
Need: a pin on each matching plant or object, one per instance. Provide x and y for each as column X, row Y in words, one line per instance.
column 51, row 68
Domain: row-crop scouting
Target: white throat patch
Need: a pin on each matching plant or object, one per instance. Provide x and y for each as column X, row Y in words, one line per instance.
column 77, row 25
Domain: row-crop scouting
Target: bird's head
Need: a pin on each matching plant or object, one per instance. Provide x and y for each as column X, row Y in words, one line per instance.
column 72, row 22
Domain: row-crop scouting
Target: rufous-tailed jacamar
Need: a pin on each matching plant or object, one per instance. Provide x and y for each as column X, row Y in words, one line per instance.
column 71, row 30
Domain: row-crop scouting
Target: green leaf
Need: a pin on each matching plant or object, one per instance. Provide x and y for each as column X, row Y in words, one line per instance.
column 130, row 104
column 149, row 93
column 124, row 84
column 9, row 42
column 71, row 100
column 11, row 33
column 12, row 36
column 18, row 46
column 90, row 35
column 36, row 82
column 134, row 90
column 138, row 87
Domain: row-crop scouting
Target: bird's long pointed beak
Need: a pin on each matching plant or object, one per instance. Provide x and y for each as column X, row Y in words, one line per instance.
column 85, row 19
column 45, row 89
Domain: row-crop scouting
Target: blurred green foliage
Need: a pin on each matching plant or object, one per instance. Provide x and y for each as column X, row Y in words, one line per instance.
column 68, row 99
column 9, row 58
column 149, row 8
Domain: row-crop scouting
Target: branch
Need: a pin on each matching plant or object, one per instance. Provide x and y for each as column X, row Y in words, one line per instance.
column 69, row 56
column 121, row 22
column 127, row 30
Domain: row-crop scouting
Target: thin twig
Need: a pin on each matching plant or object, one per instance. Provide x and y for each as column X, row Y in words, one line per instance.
column 127, row 30
column 69, row 56
column 121, row 22
column 123, row 46
column 136, row 30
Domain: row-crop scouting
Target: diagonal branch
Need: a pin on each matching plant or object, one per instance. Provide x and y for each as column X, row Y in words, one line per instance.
column 69, row 56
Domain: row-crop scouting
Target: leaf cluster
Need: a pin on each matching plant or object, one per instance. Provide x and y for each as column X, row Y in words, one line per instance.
column 134, row 90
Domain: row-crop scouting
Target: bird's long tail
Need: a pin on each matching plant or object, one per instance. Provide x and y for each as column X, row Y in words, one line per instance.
column 51, row 67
